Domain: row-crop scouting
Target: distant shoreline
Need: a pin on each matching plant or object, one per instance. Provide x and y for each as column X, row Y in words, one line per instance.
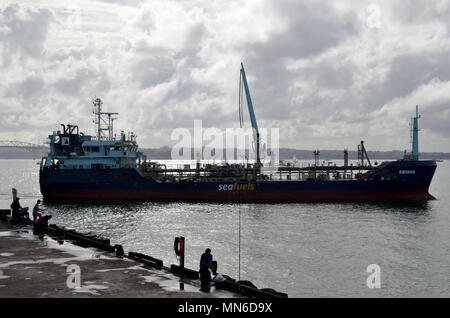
column 164, row 153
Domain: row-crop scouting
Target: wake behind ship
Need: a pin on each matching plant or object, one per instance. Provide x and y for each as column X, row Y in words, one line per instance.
column 104, row 168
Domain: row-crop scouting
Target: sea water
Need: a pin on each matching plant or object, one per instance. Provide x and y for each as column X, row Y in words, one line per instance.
column 305, row 250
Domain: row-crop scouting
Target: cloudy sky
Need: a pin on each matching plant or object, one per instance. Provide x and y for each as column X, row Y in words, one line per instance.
column 326, row 73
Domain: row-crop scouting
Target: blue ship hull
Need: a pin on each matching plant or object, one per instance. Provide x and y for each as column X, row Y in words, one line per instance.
column 397, row 181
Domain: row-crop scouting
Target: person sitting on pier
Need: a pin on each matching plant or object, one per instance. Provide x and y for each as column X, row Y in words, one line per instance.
column 41, row 226
column 36, row 211
column 206, row 263
column 19, row 214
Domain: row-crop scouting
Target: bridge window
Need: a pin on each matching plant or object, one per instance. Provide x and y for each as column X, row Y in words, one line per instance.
column 91, row 149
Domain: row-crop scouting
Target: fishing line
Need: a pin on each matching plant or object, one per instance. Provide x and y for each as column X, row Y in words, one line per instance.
column 239, row 258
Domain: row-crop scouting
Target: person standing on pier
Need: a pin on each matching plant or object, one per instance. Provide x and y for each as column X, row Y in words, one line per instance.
column 206, row 263
column 36, row 211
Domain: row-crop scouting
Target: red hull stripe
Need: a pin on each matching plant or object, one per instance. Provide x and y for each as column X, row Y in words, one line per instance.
column 236, row 197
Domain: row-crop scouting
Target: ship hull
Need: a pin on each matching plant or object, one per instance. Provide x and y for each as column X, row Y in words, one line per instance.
column 387, row 184
column 298, row 196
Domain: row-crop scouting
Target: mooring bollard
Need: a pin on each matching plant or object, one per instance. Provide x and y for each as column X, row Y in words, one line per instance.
column 4, row 214
column 119, row 250
column 179, row 251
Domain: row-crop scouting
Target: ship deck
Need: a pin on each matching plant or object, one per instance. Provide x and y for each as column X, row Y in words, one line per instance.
column 265, row 174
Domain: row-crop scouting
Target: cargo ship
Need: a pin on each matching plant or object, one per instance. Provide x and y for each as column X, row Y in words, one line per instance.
column 82, row 167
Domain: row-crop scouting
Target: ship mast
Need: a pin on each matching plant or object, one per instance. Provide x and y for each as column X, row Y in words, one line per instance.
column 414, row 155
column 415, row 135
column 102, row 123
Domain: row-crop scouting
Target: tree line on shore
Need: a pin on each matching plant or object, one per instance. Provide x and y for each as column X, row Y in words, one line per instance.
column 164, row 153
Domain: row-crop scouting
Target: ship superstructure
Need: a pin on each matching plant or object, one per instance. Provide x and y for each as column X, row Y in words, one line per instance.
column 71, row 149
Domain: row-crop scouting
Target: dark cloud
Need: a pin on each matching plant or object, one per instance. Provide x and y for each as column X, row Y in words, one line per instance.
column 314, row 69
column 26, row 89
column 334, row 75
column 153, row 71
column 410, row 71
column 436, row 118
column 84, row 82
column 311, row 30
column 25, row 30
column 192, row 45
column 421, row 11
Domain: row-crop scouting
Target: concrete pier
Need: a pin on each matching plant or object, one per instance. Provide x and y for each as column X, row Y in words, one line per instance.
column 31, row 267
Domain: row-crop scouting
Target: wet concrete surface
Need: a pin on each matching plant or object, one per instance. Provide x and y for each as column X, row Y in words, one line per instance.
column 31, row 267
